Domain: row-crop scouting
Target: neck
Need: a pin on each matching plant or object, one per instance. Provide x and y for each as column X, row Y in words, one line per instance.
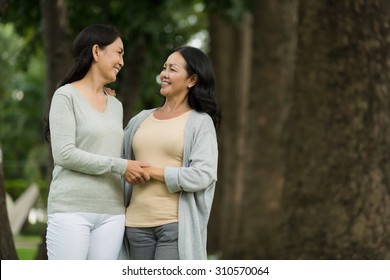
column 172, row 106
column 90, row 85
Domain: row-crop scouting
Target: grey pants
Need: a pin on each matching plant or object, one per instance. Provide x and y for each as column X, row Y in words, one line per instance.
column 154, row 243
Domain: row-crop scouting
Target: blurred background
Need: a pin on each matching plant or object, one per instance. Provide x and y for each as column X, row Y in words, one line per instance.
column 304, row 86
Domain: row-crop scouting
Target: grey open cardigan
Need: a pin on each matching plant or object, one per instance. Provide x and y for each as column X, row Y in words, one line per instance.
column 195, row 180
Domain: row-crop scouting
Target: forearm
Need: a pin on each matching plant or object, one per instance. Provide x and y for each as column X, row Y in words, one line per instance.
column 156, row 173
column 63, row 127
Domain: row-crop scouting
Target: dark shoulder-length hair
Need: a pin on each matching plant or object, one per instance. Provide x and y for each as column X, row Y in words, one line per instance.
column 95, row 34
column 201, row 96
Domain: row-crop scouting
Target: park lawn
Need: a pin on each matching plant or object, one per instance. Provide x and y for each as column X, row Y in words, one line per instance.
column 26, row 253
column 27, row 246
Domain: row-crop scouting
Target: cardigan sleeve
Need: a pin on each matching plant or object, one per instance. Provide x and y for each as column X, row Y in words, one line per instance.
column 200, row 171
column 65, row 152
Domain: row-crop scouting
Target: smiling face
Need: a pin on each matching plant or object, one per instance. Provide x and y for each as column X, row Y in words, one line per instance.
column 174, row 77
column 109, row 60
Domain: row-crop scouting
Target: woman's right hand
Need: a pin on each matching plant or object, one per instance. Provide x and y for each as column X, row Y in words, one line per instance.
column 135, row 174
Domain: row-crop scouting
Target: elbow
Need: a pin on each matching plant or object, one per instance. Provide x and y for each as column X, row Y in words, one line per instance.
column 200, row 182
column 62, row 157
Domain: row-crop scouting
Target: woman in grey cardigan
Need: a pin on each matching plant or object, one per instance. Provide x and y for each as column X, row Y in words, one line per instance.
column 167, row 216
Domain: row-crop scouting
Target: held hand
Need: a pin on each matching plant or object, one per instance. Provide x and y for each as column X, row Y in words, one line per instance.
column 134, row 173
column 156, row 173
column 109, row 91
column 144, row 164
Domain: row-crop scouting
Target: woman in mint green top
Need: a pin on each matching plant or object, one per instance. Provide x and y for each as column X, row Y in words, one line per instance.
column 86, row 215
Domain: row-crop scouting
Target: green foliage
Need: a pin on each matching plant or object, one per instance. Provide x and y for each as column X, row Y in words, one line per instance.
column 11, row 46
column 231, row 9
column 25, row 17
column 21, row 107
column 157, row 25
column 35, row 229
column 15, row 187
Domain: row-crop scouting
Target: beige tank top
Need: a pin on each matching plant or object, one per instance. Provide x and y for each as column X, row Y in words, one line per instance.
column 160, row 143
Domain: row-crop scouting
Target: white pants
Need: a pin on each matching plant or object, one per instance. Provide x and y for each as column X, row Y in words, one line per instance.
column 84, row 236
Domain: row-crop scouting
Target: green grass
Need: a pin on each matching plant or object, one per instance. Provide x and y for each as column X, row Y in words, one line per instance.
column 27, row 238
column 27, row 246
column 26, row 253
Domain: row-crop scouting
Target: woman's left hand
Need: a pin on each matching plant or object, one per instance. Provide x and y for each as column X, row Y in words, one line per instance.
column 109, row 91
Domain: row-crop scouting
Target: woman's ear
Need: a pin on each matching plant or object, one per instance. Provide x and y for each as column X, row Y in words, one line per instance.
column 193, row 81
column 95, row 52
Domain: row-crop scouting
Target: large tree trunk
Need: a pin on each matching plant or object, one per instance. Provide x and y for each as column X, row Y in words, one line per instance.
column 7, row 245
column 58, row 62
column 274, row 46
column 337, row 188
column 254, row 90
column 3, row 6
column 58, row 51
column 130, row 86
column 58, row 48
column 230, row 53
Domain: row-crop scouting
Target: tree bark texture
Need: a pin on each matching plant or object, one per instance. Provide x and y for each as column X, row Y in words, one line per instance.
column 337, row 189
column 273, row 48
column 131, row 83
column 7, row 245
column 230, row 53
column 58, row 51
column 3, row 6
column 57, row 46
column 254, row 66
column 58, row 56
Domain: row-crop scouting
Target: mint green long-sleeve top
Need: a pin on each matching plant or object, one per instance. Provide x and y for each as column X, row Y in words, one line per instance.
column 86, row 146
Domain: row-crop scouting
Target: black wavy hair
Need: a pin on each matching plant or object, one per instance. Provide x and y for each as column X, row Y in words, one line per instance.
column 201, row 96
